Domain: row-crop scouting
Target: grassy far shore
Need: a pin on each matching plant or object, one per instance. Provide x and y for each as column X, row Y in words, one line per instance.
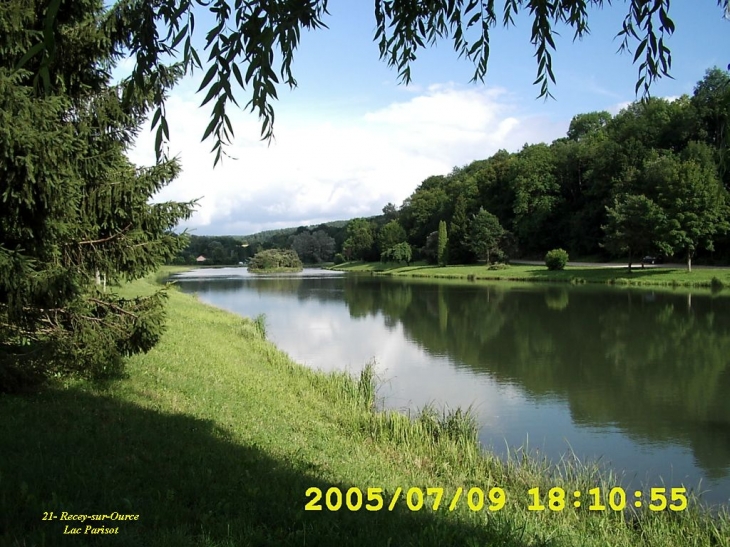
column 274, row 270
column 655, row 276
column 214, row 437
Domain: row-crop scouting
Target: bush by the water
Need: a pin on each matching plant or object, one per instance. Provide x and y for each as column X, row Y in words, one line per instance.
column 556, row 259
column 339, row 259
column 398, row 253
column 276, row 260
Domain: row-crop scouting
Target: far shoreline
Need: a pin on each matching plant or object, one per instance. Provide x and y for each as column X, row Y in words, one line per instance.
column 714, row 279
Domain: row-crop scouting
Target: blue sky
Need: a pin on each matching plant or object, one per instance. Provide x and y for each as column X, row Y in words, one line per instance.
column 350, row 139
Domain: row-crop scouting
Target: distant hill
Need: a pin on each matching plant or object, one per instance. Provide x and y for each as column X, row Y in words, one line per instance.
column 268, row 235
column 238, row 249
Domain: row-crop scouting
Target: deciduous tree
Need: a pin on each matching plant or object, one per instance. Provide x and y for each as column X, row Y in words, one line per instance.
column 359, row 242
column 635, row 225
column 398, row 253
column 485, row 232
column 536, row 195
column 692, row 197
column 390, row 235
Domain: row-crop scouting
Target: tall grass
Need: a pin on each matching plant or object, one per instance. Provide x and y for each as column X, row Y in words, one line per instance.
column 259, row 323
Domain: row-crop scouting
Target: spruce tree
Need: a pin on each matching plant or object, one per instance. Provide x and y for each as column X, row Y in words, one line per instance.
column 77, row 218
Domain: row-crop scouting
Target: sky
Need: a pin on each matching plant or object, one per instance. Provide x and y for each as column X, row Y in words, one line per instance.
column 350, row 138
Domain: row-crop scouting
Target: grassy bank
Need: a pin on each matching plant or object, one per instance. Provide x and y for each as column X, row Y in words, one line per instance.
column 275, row 270
column 215, row 436
column 655, row 276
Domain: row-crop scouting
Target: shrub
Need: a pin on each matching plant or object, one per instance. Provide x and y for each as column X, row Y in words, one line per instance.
column 716, row 284
column 556, row 259
column 339, row 259
column 275, row 259
column 398, row 253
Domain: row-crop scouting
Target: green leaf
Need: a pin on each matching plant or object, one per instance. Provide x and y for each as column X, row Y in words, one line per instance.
column 179, row 37
column 237, row 74
column 209, row 129
column 211, row 93
column 35, row 50
column 158, row 143
column 156, row 117
column 45, row 75
column 667, row 23
column 208, row 77
column 51, row 13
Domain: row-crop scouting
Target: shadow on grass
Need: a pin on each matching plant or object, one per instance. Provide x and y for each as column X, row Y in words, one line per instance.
column 69, row 450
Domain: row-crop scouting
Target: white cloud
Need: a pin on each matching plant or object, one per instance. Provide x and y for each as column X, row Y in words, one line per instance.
column 330, row 168
column 618, row 107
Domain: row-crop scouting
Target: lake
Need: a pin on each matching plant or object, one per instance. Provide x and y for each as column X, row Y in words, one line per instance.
column 637, row 379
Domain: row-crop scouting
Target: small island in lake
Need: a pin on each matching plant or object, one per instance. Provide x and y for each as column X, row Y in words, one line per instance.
column 275, row 261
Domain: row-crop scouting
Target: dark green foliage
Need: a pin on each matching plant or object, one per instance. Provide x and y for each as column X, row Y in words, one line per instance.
column 390, row 212
column 421, row 212
column 390, row 235
column 398, row 253
column 485, row 234
column 220, row 250
column 339, row 259
column 508, row 246
column 587, row 125
column 430, row 250
column 556, row 259
column 217, row 250
column 716, row 284
column 313, row 248
column 275, row 259
column 635, row 226
column 442, row 243
column 711, row 101
column 560, row 195
column 689, row 191
column 359, row 244
column 77, row 218
column 458, row 250
column 536, row 196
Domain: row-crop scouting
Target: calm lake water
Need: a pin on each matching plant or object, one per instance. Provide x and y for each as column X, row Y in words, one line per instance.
column 639, row 380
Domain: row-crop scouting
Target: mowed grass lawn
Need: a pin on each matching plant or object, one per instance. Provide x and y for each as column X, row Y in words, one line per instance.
column 215, row 436
column 654, row 275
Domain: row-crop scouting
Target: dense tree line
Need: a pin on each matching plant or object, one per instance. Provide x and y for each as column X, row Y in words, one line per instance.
column 649, row 180
column 313, row 245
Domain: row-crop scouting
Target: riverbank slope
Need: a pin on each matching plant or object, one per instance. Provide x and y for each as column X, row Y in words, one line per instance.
column 215, row 438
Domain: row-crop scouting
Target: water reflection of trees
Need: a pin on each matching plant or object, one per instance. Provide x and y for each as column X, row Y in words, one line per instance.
column 304, row 288
column 653, row 364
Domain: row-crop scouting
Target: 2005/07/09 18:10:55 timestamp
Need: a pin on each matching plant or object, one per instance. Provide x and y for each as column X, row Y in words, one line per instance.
column 557, row 499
